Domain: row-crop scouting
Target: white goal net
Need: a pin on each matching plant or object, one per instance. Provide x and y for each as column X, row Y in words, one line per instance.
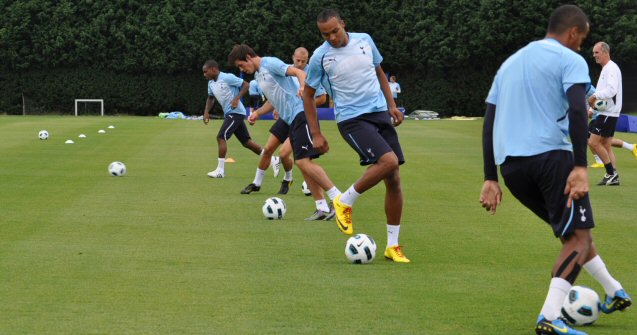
column 89, row 107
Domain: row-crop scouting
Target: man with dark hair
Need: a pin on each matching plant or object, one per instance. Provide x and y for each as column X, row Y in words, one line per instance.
column 283, row 93
column 528, row 138
column 348, row 66
column 228, row 90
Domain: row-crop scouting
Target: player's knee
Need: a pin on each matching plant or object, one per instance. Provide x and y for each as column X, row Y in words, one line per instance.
column 389, row 162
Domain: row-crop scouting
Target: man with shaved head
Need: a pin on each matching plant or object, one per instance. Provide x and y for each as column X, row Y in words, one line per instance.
column 535, row 129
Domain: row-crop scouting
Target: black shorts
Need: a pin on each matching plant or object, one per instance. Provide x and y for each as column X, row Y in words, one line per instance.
column 371, row 135
column 603, row 126
column 280, row 130
column 301, row 139
column 234, row 124
column 538, row 183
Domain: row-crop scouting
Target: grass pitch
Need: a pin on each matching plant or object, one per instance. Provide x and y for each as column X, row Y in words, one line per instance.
column 167, row 250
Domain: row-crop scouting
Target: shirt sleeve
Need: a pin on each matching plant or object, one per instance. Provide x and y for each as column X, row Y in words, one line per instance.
column 314, row 71
column 210, row 93
column 612, row 85
column 377, row 58
column 233, row 80
column 575, row 71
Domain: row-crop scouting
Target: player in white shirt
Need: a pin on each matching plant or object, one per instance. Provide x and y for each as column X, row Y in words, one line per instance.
column 608, row 88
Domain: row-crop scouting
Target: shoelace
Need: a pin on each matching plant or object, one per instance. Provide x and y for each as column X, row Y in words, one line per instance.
column 348, row 215
column 399, row 251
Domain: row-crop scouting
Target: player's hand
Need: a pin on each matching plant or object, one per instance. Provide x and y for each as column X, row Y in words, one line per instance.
column 576, row 184
column 591, row 100
column 234, row 103
column 490, row 196
column 396, row 115
column 254, row 116
column 320, row 143
column 206, row 118
column 300, row 92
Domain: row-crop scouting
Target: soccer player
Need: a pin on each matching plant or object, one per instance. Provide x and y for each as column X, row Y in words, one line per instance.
column 279, row 136
column 283, row 94
column 348, row 66
column 527, row 137
column 228, row 90
column 609, row 88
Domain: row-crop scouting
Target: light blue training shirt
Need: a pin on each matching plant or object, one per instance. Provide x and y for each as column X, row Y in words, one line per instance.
column 254, row 88
column 280, row 89
column 529, row 92
column 319, row 91
column 348, row 74
column 224, row 89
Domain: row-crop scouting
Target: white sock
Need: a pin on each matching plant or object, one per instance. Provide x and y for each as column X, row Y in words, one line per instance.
column 288, row 175
column 258, row 177
column 628, row 146
column 597, row 269
column 333, row 192
column 392, row 235
column 558, row 290
column 321, row 205
column 262, row 151
column 349, row 197
column 598, row 160
column 221, row 163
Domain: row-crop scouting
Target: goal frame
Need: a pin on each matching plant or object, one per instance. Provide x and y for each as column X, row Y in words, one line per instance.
column 101, row 101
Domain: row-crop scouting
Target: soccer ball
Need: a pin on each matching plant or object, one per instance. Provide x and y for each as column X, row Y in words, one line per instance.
column 305, row 189
column 117, row 169
column 43, row 135
column 581, row 306
column 600, row 105
column 274, row 208
column 360, row 249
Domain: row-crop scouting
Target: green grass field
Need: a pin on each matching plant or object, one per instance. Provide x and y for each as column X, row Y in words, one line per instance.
column 167, row 250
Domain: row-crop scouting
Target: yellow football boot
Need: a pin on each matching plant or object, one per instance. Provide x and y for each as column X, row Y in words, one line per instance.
column 395, row 253
column 343, row 216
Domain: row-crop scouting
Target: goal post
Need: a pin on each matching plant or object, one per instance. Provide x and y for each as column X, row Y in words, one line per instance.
column 101, row 101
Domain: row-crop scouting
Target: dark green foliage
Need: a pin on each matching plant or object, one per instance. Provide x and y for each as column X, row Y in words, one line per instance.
column 145, row 57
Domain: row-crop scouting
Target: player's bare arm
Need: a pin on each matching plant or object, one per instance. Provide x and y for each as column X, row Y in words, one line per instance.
column 319, row 141
column 244, row 90
column 300, row 75
column 259, row 112
column 206, row 113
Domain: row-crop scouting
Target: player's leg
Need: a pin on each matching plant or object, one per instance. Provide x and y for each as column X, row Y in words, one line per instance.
column 264, row 162
column 222, row 147
column 323, row 210
column 304, row 153
column 278, row 133
column 602, row 137
column 367, row 134
column 285, row 155
column 393, row 212
column 538, row 183
column 618, row 143
column 240, row 130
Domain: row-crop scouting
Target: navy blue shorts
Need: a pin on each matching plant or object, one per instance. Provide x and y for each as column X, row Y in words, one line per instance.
column 234, row 124
column 371, row 135
column 538, row 182
column 301, row 139
column 280, row 130
column 603, row 126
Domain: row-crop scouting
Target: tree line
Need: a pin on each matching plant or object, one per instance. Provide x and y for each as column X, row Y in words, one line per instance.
column 146, row 57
